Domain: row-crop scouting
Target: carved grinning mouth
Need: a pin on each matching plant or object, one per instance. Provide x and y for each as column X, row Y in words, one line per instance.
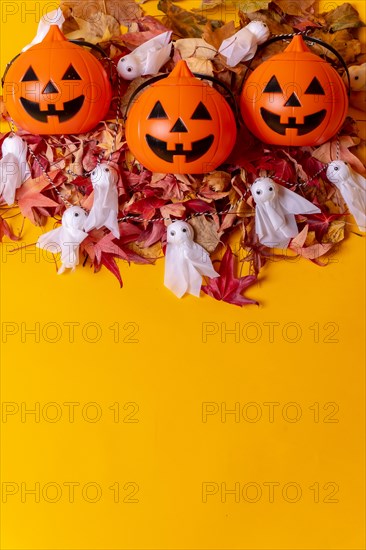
column 199, row 148
column 310, row 122
column 71, row 108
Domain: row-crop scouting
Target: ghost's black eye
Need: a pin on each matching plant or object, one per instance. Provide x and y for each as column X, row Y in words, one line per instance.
column 259, row 192
column 106, row 169
column 76, row 214
column 336, row 168
column 172, row 233
column 71, row 74
column 270, row 188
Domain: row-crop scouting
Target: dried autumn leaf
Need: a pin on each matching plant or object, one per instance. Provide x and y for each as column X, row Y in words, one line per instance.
column 124, row 11
column 184, row 23
column 30, row 197
column 97, row 28
column 6, row 230
column 343, row 41
column 335, row 232
column 343, row 17
column 206, row 232
column 215, row 37
column 172, row 188
column 323, row 224
column 328, row 152
column 258, row 5
column 290, row 7
column 209, row 4
column 227, row 287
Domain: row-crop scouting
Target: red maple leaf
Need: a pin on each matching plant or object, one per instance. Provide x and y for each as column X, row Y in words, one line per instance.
column 227, row 287
column 30, row 195
column 320, row 223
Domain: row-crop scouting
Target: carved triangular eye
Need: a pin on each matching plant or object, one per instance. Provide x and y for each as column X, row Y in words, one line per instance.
column 71, row 74
column 315, row 87
column 273, row 86
column 30, row 75
column 158, row 111
column 201, row 113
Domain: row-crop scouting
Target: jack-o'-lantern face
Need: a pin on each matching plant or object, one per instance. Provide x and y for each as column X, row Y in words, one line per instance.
column 56, row 87
column 294, row 98
column 181, row 125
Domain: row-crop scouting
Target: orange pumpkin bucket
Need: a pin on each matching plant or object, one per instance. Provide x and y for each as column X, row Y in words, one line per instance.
column 56, row 87
column 181, row 125
column 294, row 98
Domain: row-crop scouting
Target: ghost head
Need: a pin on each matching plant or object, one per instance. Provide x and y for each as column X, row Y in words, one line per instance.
column 129, row 67
column 263, row 190
column 13, row 144
column 74, row 218
column 357, row 75
column 338, row 171
column 259, row 29
column 179, row 232
column 104, row 173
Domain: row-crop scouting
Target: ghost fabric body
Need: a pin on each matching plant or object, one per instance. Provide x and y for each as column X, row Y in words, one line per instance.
column 275, row 223
column 185, row 261
column 104, row 211
column 352, row 187
column 55, row 17
column 243, row 45
column 14, row 168
column 147, row 58
column 67, row 238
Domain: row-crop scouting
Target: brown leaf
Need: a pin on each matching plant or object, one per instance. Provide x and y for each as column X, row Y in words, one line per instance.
column 209, row 5
column 335, row 232
column 215, row 37
column 343, row 41
column 258, row 5
column 182, row 22
column 151, row 252
column 328, row 152
column 298, row 7
column 206, row 232
column 124, row 11
column 343, row 17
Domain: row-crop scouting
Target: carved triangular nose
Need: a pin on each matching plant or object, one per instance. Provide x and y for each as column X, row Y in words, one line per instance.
column 50, row 88
column 293, row 101
column 179, row 126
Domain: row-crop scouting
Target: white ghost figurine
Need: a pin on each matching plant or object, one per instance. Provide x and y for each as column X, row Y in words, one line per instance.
column 243, row 45
column 14, row 168
column 54, row 17
column 275, row 223
column 352, row 187
column 104, row 211
column 67, row 238
column 185, row 261
column 147, row 58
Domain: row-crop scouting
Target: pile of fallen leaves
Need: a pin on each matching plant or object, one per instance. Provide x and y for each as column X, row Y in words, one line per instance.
column 218, row 205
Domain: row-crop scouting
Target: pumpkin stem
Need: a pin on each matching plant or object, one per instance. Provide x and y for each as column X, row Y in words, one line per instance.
column 297, row 44
column 181, row 70
column 54, row 35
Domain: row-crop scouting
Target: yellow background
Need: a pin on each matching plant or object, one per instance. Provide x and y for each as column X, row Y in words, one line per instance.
column 170, row 358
